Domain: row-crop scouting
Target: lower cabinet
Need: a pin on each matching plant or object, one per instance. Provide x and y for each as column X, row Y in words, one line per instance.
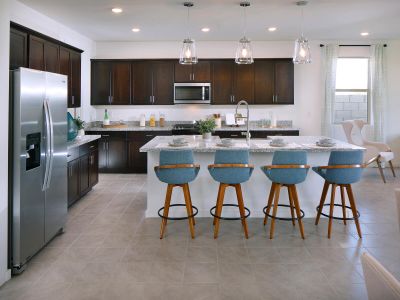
column 112, row 152
column 82, row 170
column 256, row 134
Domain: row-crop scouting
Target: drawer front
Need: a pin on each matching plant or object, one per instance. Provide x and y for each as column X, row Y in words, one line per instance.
column 146, row 135
column 109, row 134
column 86, row 148
column 73, row 154
column 231, row 134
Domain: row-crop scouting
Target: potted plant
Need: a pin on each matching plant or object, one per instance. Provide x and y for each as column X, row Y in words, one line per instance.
column 81, row 126
column 206, row 127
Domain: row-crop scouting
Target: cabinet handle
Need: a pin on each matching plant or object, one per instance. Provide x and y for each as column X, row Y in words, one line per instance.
column 105, row 135
column 233, row 98
column 111, row 99
column 234, row 135
column 154, row 99
column 193, row 76
column 150, row 99
column 73, row 100
column 149, row 135
column 91, row 147
column 276, row 98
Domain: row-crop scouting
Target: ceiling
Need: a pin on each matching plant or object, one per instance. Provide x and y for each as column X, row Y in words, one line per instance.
column 166, row 19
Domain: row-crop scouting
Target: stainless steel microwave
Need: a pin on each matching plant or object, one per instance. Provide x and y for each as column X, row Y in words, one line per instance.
column 185, row 93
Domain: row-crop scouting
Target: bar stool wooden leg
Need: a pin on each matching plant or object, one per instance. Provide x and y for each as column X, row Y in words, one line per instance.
column 188, row 208
column 322, row 201
column 342, row 196
column 381, row 170
column 166, row 209
column 220, row 201
column 290, row 194
column 353, row 208
column 269, row 204
column 217, row 204
column 331, row 210
column 278, row 189
column 239, row 195
column 392, row 168
column 298, row 212
column 190, row 202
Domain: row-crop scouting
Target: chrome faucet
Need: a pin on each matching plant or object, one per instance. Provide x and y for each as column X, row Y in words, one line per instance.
column 247, row 118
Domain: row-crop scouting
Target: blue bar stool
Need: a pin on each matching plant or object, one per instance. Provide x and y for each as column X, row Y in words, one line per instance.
column 288, row 169
column 344, row 168
column 230, row 168
column 177, row 169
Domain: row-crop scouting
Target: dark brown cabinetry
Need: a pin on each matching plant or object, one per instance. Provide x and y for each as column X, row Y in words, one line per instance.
column 43, row 55
column 200, row 72
column 18, row 49
column 112, row 154
column 82, row 170
column 70, row 65
column 256, row 134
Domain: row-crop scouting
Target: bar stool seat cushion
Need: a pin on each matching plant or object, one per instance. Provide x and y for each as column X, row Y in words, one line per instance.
column 342, row 176
column 231, row 175
column 287, row 176
column 178, row 175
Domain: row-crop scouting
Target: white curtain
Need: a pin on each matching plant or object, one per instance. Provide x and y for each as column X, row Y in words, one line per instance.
column 377, row 94
column 329, row 60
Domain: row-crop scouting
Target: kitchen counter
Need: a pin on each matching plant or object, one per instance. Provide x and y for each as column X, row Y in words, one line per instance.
column 79, row 141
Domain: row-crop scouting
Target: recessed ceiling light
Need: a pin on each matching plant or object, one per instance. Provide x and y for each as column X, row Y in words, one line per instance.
column 117, row 10
column 205, row 29
column 135, row 29
column 272, row 29
column 364, row 33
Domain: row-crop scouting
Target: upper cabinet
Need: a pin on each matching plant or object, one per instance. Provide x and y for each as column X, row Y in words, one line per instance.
column 200, row 72
column 34, row 50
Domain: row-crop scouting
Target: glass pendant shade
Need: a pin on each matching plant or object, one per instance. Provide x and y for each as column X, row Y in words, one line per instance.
column 188, row 53
column 244, row 53
column 302, row 53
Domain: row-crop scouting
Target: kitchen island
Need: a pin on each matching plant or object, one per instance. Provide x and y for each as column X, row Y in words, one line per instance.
column 204, row 189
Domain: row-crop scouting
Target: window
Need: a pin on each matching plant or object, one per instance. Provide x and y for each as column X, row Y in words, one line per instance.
column 351, row 101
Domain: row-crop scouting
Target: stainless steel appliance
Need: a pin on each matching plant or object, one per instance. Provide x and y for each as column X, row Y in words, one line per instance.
column 38, row 151
column 186, row 93
column 185, row 129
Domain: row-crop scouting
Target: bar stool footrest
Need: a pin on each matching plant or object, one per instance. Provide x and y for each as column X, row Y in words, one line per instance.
column 339, row 218
column 229, row 218
column 196, row 211
column 282, row 218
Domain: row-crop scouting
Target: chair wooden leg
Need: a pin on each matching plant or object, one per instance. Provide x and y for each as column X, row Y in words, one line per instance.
column 322, row 201
column 269, row 204
column 217, row 204
column 392, row 168
column 220, row 201
column 298, row 212
column 353, row 208
column 381, row 170
column 239, row 195
column 290, row 194
column 188, row 208
column 190, row 202
column 166, row 209
column 278, row 189
column 331, row 207
column 342, row 196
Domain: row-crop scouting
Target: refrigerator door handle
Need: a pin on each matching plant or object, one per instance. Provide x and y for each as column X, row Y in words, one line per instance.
column 51, row 144
column 48, row 150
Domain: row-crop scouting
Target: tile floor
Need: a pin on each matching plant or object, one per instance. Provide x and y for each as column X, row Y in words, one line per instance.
column 109, row 251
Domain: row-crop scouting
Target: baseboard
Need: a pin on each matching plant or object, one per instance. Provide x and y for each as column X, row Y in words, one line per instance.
column 6, row 277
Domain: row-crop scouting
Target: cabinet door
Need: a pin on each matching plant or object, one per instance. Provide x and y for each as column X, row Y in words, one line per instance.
column 142, row 82
column 73, row 181
column 163, row 83
column 244, row 83
column 75, row 78
column 121, row 83
column 65, row 69
column 116, row 155
column 183, row 73
column 93, row 168
column 101, row 83
column 102, row 156
column 51, row 57
column 222, row 82
column 201, row 72
column 84, row 174
column 18, row 49
column 284, row 82
column 263, row 82
column 36, row 53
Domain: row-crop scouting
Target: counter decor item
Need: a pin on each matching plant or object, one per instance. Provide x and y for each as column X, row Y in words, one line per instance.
column 162, row 120
column 106, row 120
column 152, row 121
column 206, row 127
column 72, row 127
column 81, row 126
column 142, row 120
column 218, row 122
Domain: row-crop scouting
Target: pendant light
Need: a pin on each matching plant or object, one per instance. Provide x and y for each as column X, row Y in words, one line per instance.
column 302, row 53
column 188, row 52
column 244, row 53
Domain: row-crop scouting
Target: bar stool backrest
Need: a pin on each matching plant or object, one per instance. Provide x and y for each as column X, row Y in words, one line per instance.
column 178, row 175
column 231, row 175
column 289, row 176
column 345, row 175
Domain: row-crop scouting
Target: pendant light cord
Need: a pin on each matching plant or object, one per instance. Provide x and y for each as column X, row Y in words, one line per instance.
column 244, row 21
column 302, row 21
column 188, row 22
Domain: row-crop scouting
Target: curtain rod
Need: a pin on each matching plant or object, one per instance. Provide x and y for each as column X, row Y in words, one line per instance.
column 322, row 45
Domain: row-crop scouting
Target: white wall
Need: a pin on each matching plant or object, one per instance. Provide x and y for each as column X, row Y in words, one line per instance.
column 305, row 112
column 4, row 67
column 32, row 19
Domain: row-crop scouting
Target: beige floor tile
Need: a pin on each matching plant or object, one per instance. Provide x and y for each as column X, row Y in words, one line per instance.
column 198, row 272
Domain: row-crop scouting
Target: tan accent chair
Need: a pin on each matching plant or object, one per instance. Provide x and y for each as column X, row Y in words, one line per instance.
column 379, row 282
column 375, row 151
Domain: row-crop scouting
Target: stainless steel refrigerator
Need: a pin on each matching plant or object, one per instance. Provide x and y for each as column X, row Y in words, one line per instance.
column 38, row 192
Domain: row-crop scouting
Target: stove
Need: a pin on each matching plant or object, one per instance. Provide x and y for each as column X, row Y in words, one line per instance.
column 185, row 129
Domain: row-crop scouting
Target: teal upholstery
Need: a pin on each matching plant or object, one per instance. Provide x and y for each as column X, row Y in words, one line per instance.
column 231, row 175
column 342, row 176
column 179, row 175
column 288, row 176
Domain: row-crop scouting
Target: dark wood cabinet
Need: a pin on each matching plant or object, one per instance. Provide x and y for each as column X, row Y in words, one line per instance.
column 255, row 134
column 73, row 181
column 222, row 82
column 84, row 174
column 36, row 53
column 51, row 57
column 163, row 82
column 264, row 81
column 142, row 82
column 18, row 49
column 243, row 86
column 100, row 82
column 121, row 83
column 70, row 65
column 284, row 82
column 93, row 168
column 200, row 72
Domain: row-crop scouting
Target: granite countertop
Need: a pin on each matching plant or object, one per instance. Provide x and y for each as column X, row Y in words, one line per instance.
column 81, row 141
column 197, row 144
column 134, row 126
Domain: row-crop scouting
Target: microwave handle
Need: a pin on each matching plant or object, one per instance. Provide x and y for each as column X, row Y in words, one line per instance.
column 203, row 93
